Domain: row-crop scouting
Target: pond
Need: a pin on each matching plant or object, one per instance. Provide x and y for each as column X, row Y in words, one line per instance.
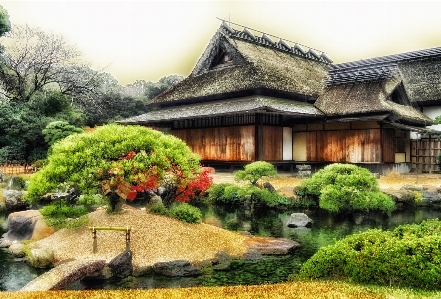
column 326, row 229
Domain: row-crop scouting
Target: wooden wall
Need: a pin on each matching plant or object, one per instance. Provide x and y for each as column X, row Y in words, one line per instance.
column 355, row 146
column 236, row 143
column 272, row 143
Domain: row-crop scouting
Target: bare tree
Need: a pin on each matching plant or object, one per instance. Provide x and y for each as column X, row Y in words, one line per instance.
column 34, row 59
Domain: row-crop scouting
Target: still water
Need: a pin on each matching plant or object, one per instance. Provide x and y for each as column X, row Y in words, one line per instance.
column 326, row 229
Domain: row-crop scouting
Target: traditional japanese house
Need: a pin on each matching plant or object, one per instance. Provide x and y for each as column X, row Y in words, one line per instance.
column 251, row 98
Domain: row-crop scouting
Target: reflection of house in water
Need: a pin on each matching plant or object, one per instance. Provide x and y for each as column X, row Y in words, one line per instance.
column 250, row 98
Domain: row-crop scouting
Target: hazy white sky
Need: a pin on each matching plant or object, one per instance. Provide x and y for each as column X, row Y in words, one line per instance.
column 147, row 40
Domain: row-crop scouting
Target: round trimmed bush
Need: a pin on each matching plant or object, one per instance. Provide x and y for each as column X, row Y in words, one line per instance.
column 186, row 213
column 345, row 187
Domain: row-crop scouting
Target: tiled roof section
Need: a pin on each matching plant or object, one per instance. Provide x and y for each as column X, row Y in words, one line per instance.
column 376, row 69
column 228, row 107
column 281, row 45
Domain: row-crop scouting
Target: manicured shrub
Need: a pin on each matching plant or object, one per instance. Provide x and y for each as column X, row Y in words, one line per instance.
column 125, row 159
column 228, row 194
column 409, row 256
column 186, row 213
column 345, row 187
column 263, row 198
column 254, row 171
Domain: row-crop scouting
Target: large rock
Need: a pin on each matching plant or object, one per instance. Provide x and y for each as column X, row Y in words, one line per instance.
column 431, row 197
column 62, row 275
column 17, row 250
column 178, row 268
column 299, row 220
column 14, row 200
column 40, row 258
column 271, row 246
column 221, row 261
column 401, row 196
column 121, row 266
column 27, row 225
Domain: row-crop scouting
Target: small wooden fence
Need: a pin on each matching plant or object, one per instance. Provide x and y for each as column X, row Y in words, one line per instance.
column 424, row 154
column 13, row 169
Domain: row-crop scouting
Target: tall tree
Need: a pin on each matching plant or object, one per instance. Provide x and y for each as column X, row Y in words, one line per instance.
column 5, row 24
column 34, row 59
column 154, row 89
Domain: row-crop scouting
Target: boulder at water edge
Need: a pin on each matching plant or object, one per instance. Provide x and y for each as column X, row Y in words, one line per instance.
column 14, row 200
column 27, row 225
column 271, row 246
column 299, row 220
column 40, row 258
column 178, row 268
column 17, row 250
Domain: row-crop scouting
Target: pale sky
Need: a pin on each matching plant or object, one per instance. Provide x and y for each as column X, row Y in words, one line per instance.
column 134, row 40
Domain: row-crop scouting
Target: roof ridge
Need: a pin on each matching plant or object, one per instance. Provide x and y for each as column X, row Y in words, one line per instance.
column 281, row 45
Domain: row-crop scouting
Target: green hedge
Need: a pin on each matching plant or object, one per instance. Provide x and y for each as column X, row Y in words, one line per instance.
column 344, row 187
column 409, row 256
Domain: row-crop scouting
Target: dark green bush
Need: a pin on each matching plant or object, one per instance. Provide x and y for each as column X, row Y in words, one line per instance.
column 409, row 256
column 159, row 209
column 345, row 187
column 264, row 198
column 228, row 194
column 186, row 213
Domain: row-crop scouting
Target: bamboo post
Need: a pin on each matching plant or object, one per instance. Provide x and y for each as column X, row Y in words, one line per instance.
column 127, row 229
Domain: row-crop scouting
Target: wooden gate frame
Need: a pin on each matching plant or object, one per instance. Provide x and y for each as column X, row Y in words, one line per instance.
column 127, row 229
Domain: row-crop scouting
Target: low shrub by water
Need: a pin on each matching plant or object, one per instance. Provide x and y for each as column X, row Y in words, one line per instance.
column 344, row 187
column 231, row 194
column 409, row 256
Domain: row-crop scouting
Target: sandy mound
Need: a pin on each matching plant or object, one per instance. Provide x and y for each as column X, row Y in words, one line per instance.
column 154, row 239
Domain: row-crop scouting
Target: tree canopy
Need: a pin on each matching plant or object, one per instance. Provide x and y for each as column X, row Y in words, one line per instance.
column 5, row 24
column 34, row 59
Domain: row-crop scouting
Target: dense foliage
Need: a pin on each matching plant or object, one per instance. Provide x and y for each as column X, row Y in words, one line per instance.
column 58, row 130
column 344, row 187
column 122, row 157
column 408, row 256
column 233, row 195
column 22, row 125
column 187, row 213
column 254, row 171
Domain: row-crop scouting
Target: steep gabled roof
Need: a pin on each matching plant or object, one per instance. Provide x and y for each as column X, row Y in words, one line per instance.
column 370, row 97
column 259, row 66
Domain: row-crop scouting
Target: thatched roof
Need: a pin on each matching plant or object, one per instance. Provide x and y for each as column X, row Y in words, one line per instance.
column 422, row 79
column 227, row 107
column 370, row 98
column 259, row 66
column 419, row 70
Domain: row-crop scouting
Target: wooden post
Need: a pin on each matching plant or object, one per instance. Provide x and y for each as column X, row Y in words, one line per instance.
column 127, row 229
column 95, row 244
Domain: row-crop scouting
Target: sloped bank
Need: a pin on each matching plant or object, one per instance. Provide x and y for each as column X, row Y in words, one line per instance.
column 159, row 245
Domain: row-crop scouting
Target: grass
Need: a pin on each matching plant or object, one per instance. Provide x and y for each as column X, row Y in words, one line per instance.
column 298, row 290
